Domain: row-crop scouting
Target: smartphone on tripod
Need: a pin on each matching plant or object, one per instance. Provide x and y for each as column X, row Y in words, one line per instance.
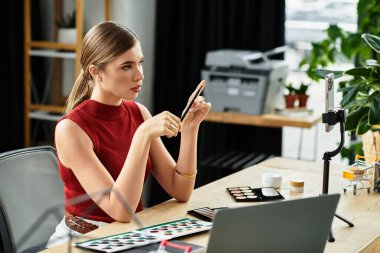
column 329, row 97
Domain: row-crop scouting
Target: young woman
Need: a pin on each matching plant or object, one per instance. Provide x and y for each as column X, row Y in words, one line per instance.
column 108, row 141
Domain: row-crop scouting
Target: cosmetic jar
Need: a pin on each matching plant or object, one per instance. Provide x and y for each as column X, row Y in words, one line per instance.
column 271, row 179
column 296, row 185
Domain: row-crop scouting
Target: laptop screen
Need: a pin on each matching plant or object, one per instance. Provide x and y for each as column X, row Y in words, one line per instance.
column 300, row 225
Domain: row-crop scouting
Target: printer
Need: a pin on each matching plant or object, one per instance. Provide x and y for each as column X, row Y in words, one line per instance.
column 244, row 81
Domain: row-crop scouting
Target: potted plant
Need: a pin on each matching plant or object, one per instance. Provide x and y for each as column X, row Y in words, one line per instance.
column 66, row 28
column 302, row 94
column 361, row 98
column 343, row 43
column 290, row 96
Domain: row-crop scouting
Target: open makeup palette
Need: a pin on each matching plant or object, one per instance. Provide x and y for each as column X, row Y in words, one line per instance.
column 205, row 213
column 145, row 236
column 248, row 194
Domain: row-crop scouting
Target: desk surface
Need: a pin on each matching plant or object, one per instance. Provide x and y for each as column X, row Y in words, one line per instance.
column 265, row 120
column 363, row 209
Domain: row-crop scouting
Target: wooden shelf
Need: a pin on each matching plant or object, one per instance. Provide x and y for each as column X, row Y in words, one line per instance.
column 52, row 53
column 265, row 120
column 48, row 108
column 50, row 49
column 53, row 45
column 43, row 115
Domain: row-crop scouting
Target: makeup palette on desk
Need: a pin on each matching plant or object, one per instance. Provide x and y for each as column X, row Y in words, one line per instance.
column 145, row 236
column 248, row 194
column 205, row 213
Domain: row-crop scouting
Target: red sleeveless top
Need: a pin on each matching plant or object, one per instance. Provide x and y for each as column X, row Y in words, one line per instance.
column 111, row 129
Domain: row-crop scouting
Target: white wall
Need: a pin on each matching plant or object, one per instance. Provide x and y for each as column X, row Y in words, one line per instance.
column 139, row 15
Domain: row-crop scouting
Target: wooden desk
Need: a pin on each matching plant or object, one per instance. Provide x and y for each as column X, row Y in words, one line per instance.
column 363, row 209
column 265, row 120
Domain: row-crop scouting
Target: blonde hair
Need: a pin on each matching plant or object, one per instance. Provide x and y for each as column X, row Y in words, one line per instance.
column 102, row 44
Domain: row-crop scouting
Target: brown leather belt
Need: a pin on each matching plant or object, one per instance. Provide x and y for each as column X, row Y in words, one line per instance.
column 77, row 224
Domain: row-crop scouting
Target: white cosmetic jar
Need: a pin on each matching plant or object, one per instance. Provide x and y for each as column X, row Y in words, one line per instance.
column 271, row 179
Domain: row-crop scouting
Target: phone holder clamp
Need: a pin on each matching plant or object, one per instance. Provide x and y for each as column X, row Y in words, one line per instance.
column 333, row 117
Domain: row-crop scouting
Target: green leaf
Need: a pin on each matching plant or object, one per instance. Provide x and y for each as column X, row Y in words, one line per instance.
column 355, row 146
column 371, row 63
column 373, row 41
column 375, row 84
column 302, row 89
column 372, row 96
column 359, row 71
column 342, row 85
column 374, row 111
column 344, row 89
column 334, row 32
column 351, row 44
column 354, row 117
column 321, row 73
column 364, row 52
column 351, row 94
column 362, row 5
column 356, row 103
column 303, row 62
column 363, row 126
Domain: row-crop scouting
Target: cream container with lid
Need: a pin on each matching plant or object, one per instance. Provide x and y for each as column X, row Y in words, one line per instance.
column 271, row 179
column 296, row 185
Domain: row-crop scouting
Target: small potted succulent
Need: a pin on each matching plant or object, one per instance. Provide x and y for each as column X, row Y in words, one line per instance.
column 302, row 95
column 66, row 28
column 290, row 96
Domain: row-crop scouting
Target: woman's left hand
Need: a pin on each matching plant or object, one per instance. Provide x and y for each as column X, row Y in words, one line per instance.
column 198, row 110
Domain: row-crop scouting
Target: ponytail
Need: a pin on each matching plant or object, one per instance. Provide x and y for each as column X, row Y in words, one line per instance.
column 80, row 92
column 101, row 45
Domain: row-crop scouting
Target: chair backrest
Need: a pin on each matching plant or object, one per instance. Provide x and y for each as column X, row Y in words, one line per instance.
column 30, row 184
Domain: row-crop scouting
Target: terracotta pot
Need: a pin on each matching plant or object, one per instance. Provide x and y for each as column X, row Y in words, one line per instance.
column 302, row 100
column 290, row 100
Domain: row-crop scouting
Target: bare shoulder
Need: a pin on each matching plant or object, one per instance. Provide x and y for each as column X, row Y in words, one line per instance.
column 66, row 128
column 144, row 111
column 71, row 141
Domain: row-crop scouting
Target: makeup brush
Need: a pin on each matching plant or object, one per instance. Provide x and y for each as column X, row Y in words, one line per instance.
column 198, row 91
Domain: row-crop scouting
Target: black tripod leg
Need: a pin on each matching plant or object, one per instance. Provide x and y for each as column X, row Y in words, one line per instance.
column 331, row 237
column 350, row 224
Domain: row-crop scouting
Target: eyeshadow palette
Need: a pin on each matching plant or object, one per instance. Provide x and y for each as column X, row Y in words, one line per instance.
column 205, row 213
column 145, row 236
column 248, row 194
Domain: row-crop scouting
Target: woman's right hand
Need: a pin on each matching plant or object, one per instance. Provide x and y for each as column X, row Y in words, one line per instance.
column 163, row 124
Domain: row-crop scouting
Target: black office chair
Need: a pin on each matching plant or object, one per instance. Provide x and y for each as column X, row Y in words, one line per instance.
column 30, row 186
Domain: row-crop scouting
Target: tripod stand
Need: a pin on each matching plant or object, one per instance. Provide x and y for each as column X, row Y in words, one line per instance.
column 331, row 118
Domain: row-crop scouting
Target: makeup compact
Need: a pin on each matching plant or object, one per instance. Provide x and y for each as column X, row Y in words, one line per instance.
column 248, row 194
column 205, row 213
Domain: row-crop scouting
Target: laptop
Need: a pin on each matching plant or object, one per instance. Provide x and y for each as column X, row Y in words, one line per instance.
column 300, row 225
